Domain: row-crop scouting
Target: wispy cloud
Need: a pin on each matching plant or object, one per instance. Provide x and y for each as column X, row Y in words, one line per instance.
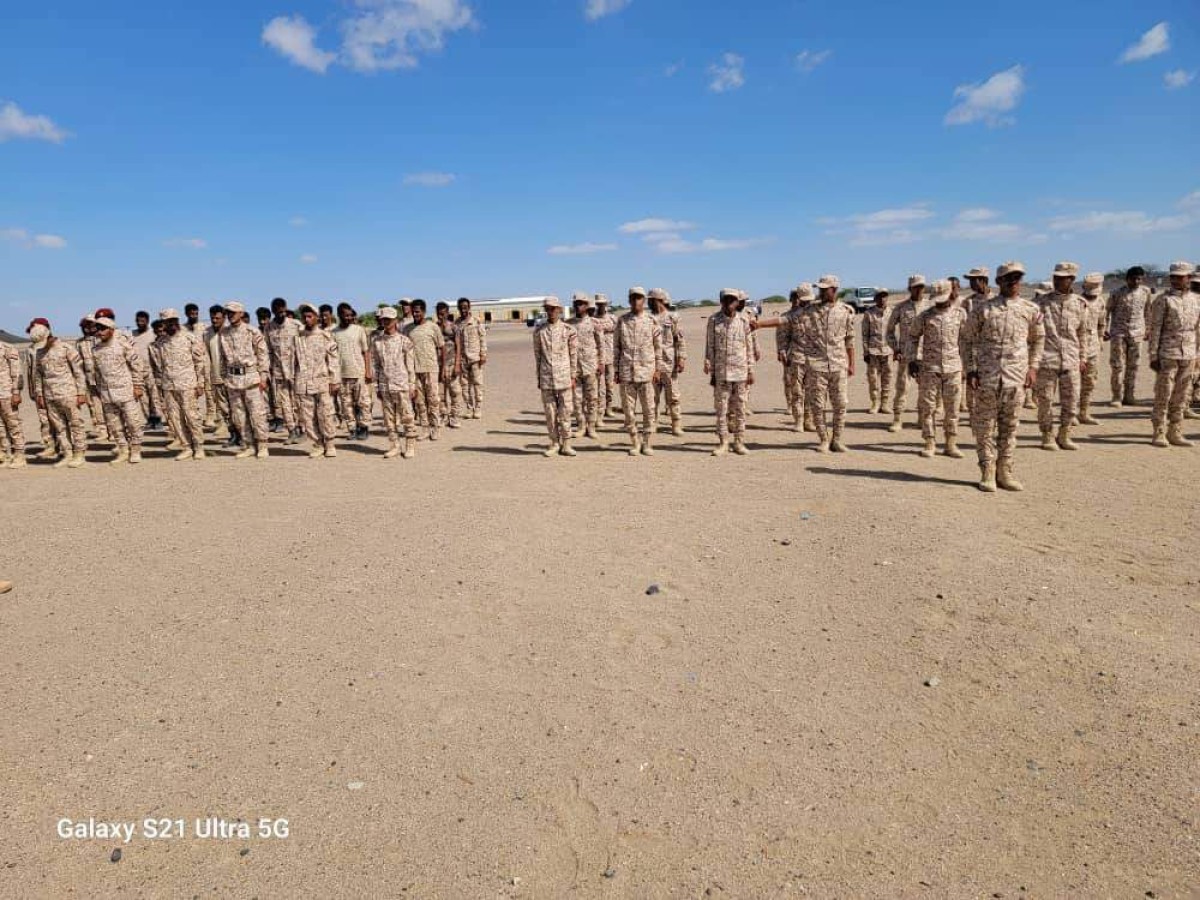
column 673, row 69
column 1124, row 222
column 981, row 224
column 668, row 243
column 598, row 9
column 1191, row 201
column 896, row 221
column 990, row 101
column 308, row 258
column 728, row 74
column 580, row 249
column 295, row 40
column 15, row 124
column 297, row 221
column 192, row 243
column 429, row 179
column 646, row 226
column 1178, row 78
column 807, row 60
column 1155, row 41
column 24, row 238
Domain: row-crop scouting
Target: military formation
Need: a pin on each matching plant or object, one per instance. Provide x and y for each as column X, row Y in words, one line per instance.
column 315, row 373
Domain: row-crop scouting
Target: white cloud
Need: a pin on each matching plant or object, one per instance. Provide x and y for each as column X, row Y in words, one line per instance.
column 886, row 238
column 16, row 124
column 293, row 38
column 1126, row 222
column 392, row 34
column 429, row 179
column 728, row 74
column 308, row 258
column 977, row 214
column 674, row 244
column 807, row 60
column 1178, row 78
column 193, row 243
column 884, row 219
column 990, row 101
column 1155, row 41
column 580, row 249
column 49, row 241
column 598, row 9
column 673, row 69
column 646, row 226
column 297, row 221
column 1191, row 201
column 23, row 238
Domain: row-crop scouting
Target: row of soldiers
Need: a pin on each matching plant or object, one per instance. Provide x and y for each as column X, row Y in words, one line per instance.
column 998, row 346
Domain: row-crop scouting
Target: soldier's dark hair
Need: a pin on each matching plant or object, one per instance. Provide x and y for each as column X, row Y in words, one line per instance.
column 1136, row 272
column 345, row 305
column 325, row 307
column 262, row 312
column 190, row 307
column 462, row 300
column 278, row 301
column 442, row 304
column 140, row 313
column 419, row 304
column 216, row 308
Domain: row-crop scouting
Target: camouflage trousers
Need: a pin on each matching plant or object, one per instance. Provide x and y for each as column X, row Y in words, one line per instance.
column 935, row 385
column 47, row 434
column 183, row 413
column 96, row 411
column 1087, row 381
column 248, row 409
column 210, row 403
column 587, row 398
column 1172, row 385
column 879, row 380
column 317, row 417
column 428, row 408
column 125, row 423
column 151, row 402
column 1123, row 356
column 631, row 395
column 826, row 390
column 557, row 405
column 452, row 397
column 666, row 392
column 994, row 420
column 901, row 387
column 1067, row 382
column 471, row 381
column 968, row 395
column 354, row 402
column 793, row 388
column 66, row 423
column 285, row 401
column 220, row 399
column 609, row 390
column 729, row 400
column 10, row 426
column 398, row 414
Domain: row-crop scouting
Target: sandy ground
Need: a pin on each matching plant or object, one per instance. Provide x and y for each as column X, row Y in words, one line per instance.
column 448, row 676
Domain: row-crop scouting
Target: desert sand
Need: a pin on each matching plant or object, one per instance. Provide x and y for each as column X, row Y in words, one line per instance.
column 859, row 676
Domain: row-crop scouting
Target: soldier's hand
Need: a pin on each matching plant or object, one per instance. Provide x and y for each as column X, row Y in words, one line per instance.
column 707, row 367
column 850, row 368
column 80, row 400
column 369, row 378
column 1154, row 365
column 679, row 368
column 914, row 369
column 137, row 392
column 782, row 359
column 1031, row 379
column 262, row 386
column 40, row 403
column 483, row 360
column 16, row 400
column 973, row 380
column 334, row 387
column 1107, row 336
column 749, row 378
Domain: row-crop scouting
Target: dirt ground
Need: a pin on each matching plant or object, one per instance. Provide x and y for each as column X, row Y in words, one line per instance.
column 859, row 677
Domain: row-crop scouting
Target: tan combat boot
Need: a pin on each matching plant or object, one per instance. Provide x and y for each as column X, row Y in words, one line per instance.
column 676, row 427
column 1048, row 441
column 567, row 449
column 896, row 423
column 316, row 451
column 186, row 453
column 1006, row 479
column 739, row 446
column 635, row 447
column 263, row 452
column 987, row 478
column 929, row 449
column 1064, row 438
column 823, row 443
column 722, row 448
column 199, row 454
column 647, row 450
column 410, row 448
column 1189, row 413
column 222, row 432
column 797, row 425
column 951, row 449
column 330, row 450
column 434, row 432
column 552, row 450
column 836, row 444
column 77, row 460
column 1175, row 436
column 1085, row 415
column 393, row 449
column 135, row 455
column 48, row 452
column 245, row 453
column 587, row 430
column 175, row 444
column 17, row 461
column 121, row 457
column 64, row 461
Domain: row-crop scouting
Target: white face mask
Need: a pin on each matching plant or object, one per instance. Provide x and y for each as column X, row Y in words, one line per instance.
column 39, row 333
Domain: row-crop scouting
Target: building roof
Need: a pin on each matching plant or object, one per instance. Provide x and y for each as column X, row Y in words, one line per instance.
column 511, row 301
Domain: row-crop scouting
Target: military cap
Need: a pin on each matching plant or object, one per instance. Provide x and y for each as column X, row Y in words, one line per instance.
column 550, row 302
column 306, row 307
column 45, row 323
column 105, row 322
column 386, row 312
column 831, row 281
column 582, row 300
column 1009, row 268
column 1044, row 286
column 637, row 291
column 977, row 272
column 602, row 299
column 1182, row 268
column 1093, row 280
column 1066, row 270
column 577, row 296
column 88, row 318
column 235, row 306
column 941, row 288
column 168, row 313
column 659, row 294
column 881, row 293
column 804, row 290
column 916, row 281
column 731, row 292
column 106, row 312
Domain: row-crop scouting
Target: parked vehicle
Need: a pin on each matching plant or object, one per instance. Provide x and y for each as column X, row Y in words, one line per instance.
column 861, row 298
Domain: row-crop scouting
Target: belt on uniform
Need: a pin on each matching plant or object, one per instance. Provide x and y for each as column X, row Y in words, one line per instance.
column 236, row 370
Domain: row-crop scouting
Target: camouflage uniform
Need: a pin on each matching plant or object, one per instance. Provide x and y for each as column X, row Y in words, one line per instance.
column 1063, row 320
column 179, row 365
column 245, row 364
column 85, row 345
column 354, row 399
column 1125, row 314
column 428, row 344
column 876, row 353
column 220, row 397
column 935, row 337
column 1093, row 329
column 317, row 372
column 29, row 367
column 825, row 335
column 793, row 363
column 119, row 373
column 672, row 354
column 899, row 324
column 281, row 348
column 589, row 352
column 199, row 331
column 968, row 392
column 729, row 354
column 452, row 392
column 637, row 347
column 59, row 383
column 556, row 358
column 393, row 358
column 607, row 324
column 11, row 381
column 1173, row 347
column 151, row 402
column 472, row 344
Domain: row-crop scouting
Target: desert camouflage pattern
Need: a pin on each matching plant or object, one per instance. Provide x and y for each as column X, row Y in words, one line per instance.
column 589, row 353
column 1003, row 339
column 12, row 379
column 637, row 347
column 729, row 347
column 1173, row 344
column 556, row 359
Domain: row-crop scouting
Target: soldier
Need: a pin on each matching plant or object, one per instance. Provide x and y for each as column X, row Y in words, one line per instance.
column 428, row 344
column 150, row 401
column 121, row 380
column 977, row 280
column 637, row 346
column 793, row 396
column 11, row 381
column 589, row 352
column 556, row 359
column 875, row 353
column 1188, row 412
column 317, row 379
column 406, row 314
column 1003, row 340
column 935, row 335
column 87, row 340
column 451, row 387
column 60, row 388
column 899, row 324
column 354, row 357
column 193, row 326
column 245, row 368
column 1093, row 326
column 751, row 314
column 280, row 334
column 1125, row 326
column 472, row 351
column 672, row 357
column 212, row 351
column 825, row 335
column 325, row 319
column 393, row 362
column 608, row 326
column 729, row 361
column 1173, row 346
column 192, row 323
column 49, row 448
column 1063, row 321
column 179, row 364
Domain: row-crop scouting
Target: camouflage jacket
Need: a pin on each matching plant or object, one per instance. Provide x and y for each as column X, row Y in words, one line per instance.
column 394, row 362
column 1003, row 340
column 556, row 355
column 637, row 345
column 119, row 369
column 59, row 372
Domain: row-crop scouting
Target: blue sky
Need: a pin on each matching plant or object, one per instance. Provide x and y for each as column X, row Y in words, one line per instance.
column 152, row 153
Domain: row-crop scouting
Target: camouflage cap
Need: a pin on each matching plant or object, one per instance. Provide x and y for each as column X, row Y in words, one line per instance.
column 917, row 280
column 577, row 296
column 1093, row 280
column 659, row 294
column 552, row 301
column 1066, row 270
column 941, row 288
column 804, row 290
column 602, row 299
column 637, row 291
column 235, row 306
column 1044, row 286
column 1009, row 268
column 168, row 313
column 831, row 281
column 581, row 300
column 1181, row 267
column 88, row 318
column 732, row 293
column 386, row 312
column 977, row 272
column 105, row 322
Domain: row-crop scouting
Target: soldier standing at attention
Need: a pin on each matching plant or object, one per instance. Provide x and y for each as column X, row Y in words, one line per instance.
column 406, row 313
column 1125, row 326
column 589, row 351
column 49, row 450
column 555, row 355
column 899, row 323
column 192, row 323
column 451, row 395
column 143, row 336
column 1173, row 347
column 935, row 336
column 354, row 357
column 793, row 397
column 1093, row 326
column 60, row 388
column 977, row 281
column 325, row 319
column 392, row 361
column 121, row 379
column 672, row 357
column 212, row 350
column 428, row 344
column 1063, row 320
column 179, row 364
column 1003, row 342
column 245, row 367
column 875, row 353
column 472, row 350
column 826, row 338
column 280, row 334
column 637, row 345
column 729, row 360
column 11, row 379
column 608, row 326
column 317, row 379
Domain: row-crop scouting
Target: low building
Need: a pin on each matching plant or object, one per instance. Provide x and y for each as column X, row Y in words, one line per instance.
column 508, row 309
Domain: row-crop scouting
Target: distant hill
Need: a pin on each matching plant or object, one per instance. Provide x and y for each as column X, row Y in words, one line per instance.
column 7, row 338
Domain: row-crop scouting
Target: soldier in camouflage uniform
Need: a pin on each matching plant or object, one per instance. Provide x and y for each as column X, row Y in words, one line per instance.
column 280, row 334
column 977, row 280
column 121, row 379
column 1188, row 411
column 729, row 360
column 607, row 324
column 180, row 365
column 212, row 351
column 452, row 397
column 555, row 356
column 935, row 336
column 245, row 368
column 876, row 352
column 471, row 335
column 197, row 329
column 825, row 335
column 1125, row 326
column 428, row 346
column 1003, row 341
column 49, row 442
column 11, row 381
column 899, row 323
column 392, row 355
column 354, row 357
column 589, row 352
column 1063, row 320
column 672, row 357
column 1174, row 345
column 87, row 328
column 637, row 347
column 317, row 379
column 1093, row 328
column 60, row 388
column 793, row 393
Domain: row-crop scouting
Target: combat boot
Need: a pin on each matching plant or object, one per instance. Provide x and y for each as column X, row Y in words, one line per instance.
column 294, row 436
column 76, row 461
column 823, row 444
column 883, row 402
column 810, row 423
column 263, row 452
column 797, row 425
column 722, row 448
column 1129, row 399
column 393, row 449
column 1159, row 439
column 676, row 427
column 330, row 450
column 896, row 424
column 1085, row 415
column 452, row 422
column 951, row 449
column 567, row 449
column 102, row 435
column 135, row 455
column 587, row 430
column 175, row 444
column 1048, row 441
column 635, row 448
column 121, row 457
column 1006, row 479
column 929, row 449
column 410, row 448
column 433, row 432
column 739, row 446
column 1189, row 413
column 222, row 432
column 199, row 454
column 316, row 451
column 873, row 408
column 1064, row 438
column 17, row 461
column 185, row 453
column 987, row 478
column 62, row 461
column 836, row 444
column 647, row 450
column 48, row 452
column 1175, row 437
column 245, row 453
column 552, row 450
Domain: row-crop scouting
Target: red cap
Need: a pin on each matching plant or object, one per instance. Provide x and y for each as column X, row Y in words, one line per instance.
column 106, row 313
column 38, row 321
